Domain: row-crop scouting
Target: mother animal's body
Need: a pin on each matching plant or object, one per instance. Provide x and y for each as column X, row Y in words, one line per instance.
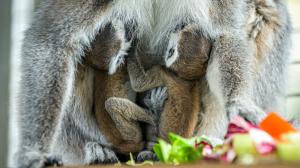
column 248, row 37
column 56, row 96
column 61, row 100
column 246, row 73
column 268, row 29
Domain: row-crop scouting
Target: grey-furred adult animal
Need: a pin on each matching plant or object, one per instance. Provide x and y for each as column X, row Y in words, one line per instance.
column 246, row 73
column 56, row 91
column 268, row 31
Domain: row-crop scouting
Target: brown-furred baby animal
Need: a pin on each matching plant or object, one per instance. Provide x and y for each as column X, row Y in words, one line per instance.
column 180, row 113
column 117, row 115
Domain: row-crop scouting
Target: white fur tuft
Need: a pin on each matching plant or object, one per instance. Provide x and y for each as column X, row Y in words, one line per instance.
column 168, row 14
column 119, row 59
column 173, row 45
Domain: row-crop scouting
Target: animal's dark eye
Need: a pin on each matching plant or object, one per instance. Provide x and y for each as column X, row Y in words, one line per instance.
column 171, row 53
column 181, row 26
column 102, row 2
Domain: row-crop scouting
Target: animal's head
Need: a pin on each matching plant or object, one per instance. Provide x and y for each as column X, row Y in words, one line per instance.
column 188, row 54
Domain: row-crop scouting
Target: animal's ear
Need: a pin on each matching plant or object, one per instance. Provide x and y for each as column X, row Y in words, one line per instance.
column 171, row 54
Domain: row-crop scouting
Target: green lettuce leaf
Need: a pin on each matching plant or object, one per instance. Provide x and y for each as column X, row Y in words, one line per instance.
column 181, row 150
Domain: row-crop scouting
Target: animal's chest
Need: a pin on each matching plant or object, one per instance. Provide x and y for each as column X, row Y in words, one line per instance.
column 172, row 12
column 170, row 15
column 156, row 19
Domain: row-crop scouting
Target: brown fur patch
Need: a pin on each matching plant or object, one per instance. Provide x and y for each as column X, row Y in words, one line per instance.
column 182, row 108
column 194, row 50
column 106, row 87
column 105, row 46
column 180, row 112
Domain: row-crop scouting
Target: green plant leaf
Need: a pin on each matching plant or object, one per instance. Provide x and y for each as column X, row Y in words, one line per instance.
column 181, row 150
column 157, row 151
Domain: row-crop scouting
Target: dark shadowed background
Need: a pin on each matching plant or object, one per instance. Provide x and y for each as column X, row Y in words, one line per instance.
column 5, row 17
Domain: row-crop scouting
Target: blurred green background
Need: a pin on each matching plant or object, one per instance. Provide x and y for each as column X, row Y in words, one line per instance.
column 15, row 16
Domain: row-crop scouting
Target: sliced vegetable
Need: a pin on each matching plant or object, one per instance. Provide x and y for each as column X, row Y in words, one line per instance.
column 243, row 145
column 264, row 143
column 162, row 150
column 132, row 162
column 181, row 150
column 276, row 126
column 289, row 152
column 293, row 137
column 288, row 149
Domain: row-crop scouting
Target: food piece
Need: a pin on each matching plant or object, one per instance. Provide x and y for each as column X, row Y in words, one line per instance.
column 181, row 150
column 288, row 149
column 289, row 152
column 276, row 126
column 238, row 126
column 132, row 162
column 162, row 150
column 243, row 145
column 246, row 159
column 264, row 143
column 293, row 137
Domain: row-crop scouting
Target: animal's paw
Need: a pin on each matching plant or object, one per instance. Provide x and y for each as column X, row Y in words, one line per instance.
column 125, row 44
column 155, row 100
column 247, row 110
column 35, row 159
column 146, row 155
column 98, row 154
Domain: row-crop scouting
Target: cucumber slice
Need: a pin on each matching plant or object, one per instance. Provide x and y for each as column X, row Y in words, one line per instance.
column 243, row 145
column 289, row 152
